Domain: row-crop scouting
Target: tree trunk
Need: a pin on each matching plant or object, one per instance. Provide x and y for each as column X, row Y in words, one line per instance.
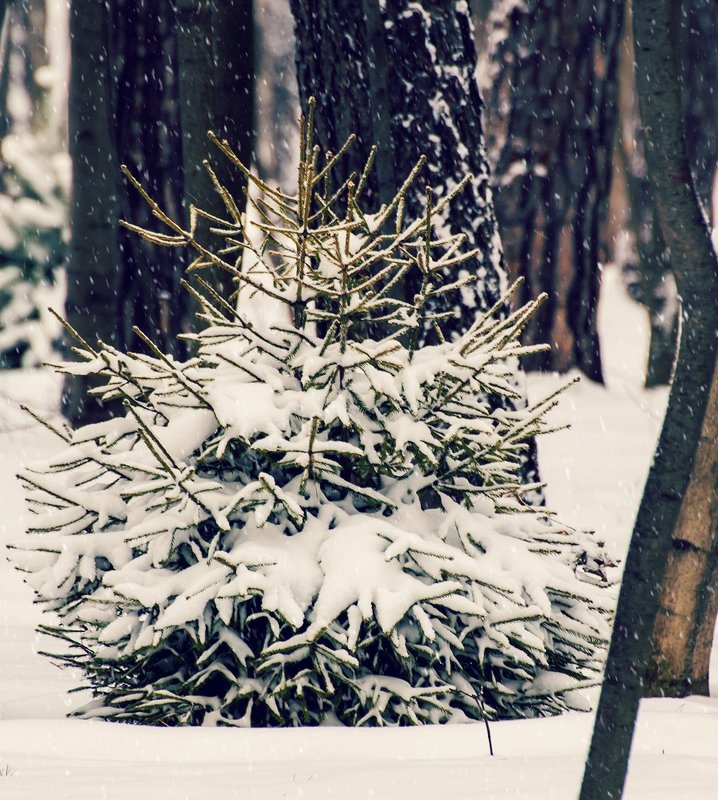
column 216, row 67
column 552, row 114
column 347, row 53
column 656, row 27
column 125, row 51
column 93, row 267
column 146, row 130
column 646, row 265
column 32, row 16
column 683, row 631
column 700, row 103
column 404, row 78
column 5, row 22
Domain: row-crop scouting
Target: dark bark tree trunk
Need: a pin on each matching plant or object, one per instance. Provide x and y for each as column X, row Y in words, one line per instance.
column 216, row 67
column 646, row 264
column 127, row 53
column 93, row 267
column 656, row 29
column 551, row 121
column 146, row 132
column 700, row 100
column 403, row 78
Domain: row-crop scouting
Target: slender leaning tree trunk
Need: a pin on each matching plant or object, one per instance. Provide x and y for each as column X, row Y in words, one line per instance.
column 656, row 27
column 552, row 112
column 93, row 264
column 646, row 266
column 700, row 103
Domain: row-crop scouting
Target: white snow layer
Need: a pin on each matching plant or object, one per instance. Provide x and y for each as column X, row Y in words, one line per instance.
column 595, row 473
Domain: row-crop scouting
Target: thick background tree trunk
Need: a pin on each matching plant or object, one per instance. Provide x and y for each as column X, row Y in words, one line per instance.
column 403, row 77
column 216, row 66
column 551, row 121
column 146, row 130
column 347, row 55
column 93, row 267
column 126, row 86
column 656, row 28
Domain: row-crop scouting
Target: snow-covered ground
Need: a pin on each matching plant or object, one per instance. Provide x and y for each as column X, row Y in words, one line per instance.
column 595, row 473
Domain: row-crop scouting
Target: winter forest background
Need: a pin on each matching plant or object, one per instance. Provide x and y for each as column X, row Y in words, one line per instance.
column 310, row 480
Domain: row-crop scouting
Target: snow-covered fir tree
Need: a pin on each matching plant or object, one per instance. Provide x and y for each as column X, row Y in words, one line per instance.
column 311, row 521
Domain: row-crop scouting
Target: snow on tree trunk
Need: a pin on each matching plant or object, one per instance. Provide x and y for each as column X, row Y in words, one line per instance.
column 551, row 120
column 276, row 94
column 402, row 76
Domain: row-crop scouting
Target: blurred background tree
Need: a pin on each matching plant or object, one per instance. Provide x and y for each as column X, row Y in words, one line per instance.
column 551, row 115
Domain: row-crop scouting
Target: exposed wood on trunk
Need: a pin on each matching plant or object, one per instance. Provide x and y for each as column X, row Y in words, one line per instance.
column 683, row 632
column 656, row 25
